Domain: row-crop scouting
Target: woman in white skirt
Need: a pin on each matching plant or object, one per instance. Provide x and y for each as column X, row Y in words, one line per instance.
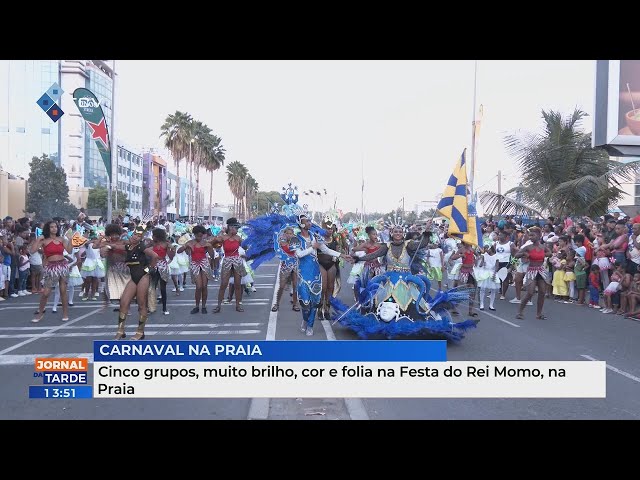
column 486, row 275
column 179, row 268
column 92, row 271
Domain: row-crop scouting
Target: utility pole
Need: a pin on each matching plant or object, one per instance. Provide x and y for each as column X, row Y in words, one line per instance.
column 500, row 192
column 114, row 143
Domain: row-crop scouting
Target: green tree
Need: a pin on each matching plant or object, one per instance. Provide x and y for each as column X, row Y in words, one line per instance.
column 213, row 159
column 176, row 131
column 410, row 218
column 236, row 179
column 98, row 199
column 264, row 201
column 48, row 194
column 561, row 173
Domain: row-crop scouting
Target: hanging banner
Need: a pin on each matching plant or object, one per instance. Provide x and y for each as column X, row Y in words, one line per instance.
column 91, row 111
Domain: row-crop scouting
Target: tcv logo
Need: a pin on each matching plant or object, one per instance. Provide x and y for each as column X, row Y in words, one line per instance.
column 88, row 102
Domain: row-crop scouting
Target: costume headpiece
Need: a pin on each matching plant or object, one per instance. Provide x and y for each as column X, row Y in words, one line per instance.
column 396, row 222
column 302, row 217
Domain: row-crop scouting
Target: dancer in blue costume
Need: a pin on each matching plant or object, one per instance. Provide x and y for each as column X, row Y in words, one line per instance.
column 306, row 245
column 398, row 303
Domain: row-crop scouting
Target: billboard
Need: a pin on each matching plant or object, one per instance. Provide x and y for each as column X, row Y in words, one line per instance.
column 617, row 107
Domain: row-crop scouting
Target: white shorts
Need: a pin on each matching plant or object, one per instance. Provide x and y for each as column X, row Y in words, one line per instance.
column 6, row 273
column 522, row 267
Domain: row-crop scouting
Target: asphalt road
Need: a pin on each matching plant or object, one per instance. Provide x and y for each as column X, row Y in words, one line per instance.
column 571, row 332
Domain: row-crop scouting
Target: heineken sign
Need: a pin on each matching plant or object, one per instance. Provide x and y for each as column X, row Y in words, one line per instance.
column 91, row 111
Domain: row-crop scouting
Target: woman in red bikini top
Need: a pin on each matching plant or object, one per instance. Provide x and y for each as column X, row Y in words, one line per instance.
column 232, row 263
column 537, row 274
column 371, row 245
column 199, row 265
column 55, row 266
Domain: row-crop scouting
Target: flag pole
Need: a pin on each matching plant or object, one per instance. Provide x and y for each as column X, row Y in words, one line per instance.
column 114, row 148
column 472, row 167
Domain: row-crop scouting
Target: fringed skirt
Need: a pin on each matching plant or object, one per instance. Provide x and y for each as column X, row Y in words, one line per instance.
column 287, row 272
column 236, row 263
column 532, row 273
column 200, row 266
column 116, row 280
column 163, row 270
column 54, row 272
column 466, row 275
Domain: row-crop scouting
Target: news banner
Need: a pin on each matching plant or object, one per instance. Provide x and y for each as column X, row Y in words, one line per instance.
column 292, row 369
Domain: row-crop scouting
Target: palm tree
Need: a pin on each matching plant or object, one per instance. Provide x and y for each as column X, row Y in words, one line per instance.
column 251, row 192
column 213, row 160
column 176, row 130
column 201, row 134
column 236, row 175
column 561, row 173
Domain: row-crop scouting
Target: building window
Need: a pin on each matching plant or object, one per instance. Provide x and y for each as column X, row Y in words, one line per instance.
column 47, row 131
column 4, row 129
column 637, row 192
column 20, row 130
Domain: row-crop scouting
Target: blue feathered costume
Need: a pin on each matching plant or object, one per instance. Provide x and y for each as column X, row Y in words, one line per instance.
column 392, row 305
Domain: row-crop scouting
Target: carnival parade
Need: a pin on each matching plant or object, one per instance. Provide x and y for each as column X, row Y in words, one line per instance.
column 349, row 208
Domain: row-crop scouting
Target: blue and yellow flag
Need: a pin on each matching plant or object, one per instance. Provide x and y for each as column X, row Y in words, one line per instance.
column 453, row 204
column 474, row 235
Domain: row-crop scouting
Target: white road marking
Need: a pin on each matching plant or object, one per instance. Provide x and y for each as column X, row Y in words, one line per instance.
column 259, row 407
column 614, row 369
column 490, row 314
column 54, row 329
column 499, row 318
column 168, row 325
column 148, row 333
column 355, row 407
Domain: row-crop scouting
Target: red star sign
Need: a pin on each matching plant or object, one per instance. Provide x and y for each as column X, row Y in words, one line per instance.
column 99, row 131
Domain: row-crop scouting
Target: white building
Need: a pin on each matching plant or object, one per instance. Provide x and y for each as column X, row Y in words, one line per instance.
column 172, row 183
column 424, row 206
column 631, row 189
column 128, row 171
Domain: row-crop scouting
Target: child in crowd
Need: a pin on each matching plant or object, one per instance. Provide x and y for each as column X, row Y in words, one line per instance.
column 570, row 276
column 436, row 265
column 178, row 267
column 486, row 275
column 633, row 296
column 612, row 290
column 594, row 287
column 602, row 260
column 93, row 271
column 580, row 269
column 560, row 290
column 23, row 270
column 35, row 259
